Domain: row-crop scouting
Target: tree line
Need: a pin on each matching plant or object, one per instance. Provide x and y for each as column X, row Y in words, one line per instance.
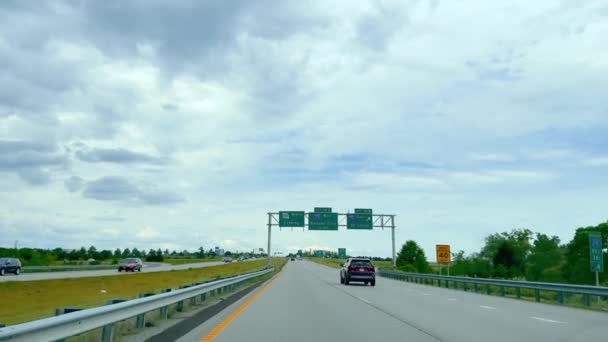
column 519, row 254
column 44, row 257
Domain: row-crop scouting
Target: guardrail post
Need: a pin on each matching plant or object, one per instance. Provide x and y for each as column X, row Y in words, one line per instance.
column 475, row 287
column 502, row 291
column 560, row 297
column 447, row 284
column 107, row 332
column 141, row 318
column 537, row 295
column 518, row 292
column 59, row 312
column 203, row 297
column 464, row 286
column 488, row 289
column 164, row 311
column 587, row 299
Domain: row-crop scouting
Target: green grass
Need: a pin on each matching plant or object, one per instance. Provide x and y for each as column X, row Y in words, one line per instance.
column 182, row 261
column 38, row 299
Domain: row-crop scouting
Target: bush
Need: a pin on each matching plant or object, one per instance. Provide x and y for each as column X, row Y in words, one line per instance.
column 408, row 268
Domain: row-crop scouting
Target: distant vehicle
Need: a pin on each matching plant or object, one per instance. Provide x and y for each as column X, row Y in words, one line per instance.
column 241, row 259
column 130, row 265
column 10, row 265
column 299, row 257
column 227, row 259
column 358, row 269
column 293, row 259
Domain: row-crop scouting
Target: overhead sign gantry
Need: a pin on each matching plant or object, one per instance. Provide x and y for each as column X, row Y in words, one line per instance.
column 323, row 219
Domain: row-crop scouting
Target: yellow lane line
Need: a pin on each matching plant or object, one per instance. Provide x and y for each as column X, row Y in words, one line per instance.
column 226, row 322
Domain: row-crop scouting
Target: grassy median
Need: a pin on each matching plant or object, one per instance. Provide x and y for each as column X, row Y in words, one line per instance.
column 27, row 301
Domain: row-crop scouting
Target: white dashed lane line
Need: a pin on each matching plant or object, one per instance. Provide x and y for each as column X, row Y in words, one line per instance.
column 487, row 307
column 364, row 300
column 452, row 299
column 546, row 320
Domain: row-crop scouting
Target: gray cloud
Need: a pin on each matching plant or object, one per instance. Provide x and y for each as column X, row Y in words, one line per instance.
column 74, row 183
column 120, row 189
column 32, row 161
column 118, row 156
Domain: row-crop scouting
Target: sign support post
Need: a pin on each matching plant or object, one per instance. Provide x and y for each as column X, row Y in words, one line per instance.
column 269, row 232
column 393, row 238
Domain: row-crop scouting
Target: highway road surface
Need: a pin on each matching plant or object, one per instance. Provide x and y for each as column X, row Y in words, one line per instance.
column 306, row 302
column 148, row 267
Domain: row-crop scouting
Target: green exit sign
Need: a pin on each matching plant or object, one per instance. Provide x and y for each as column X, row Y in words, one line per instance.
column 596, row 256
column 322, row 221
column 363, row 211
column 322, row 210
column 291, row 219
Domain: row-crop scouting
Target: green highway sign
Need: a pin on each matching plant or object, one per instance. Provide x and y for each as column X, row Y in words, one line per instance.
column 319, row 254
column 299, row 252
column 596, row 255
column 291, row 219
column 342, row 253
column 359, row 221
column 363, row 211
column 322, row 221
column 322, row 210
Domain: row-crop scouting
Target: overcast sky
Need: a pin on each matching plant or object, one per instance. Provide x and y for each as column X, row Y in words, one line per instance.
column 178, row 124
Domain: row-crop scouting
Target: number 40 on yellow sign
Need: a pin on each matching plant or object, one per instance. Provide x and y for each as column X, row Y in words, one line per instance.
column 443, row 254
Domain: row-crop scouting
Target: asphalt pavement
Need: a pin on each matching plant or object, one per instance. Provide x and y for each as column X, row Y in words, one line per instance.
column 148, row 268
column 306, row 302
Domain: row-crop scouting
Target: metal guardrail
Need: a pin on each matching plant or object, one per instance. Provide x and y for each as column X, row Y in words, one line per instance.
column 75, row 323
column 560, row 289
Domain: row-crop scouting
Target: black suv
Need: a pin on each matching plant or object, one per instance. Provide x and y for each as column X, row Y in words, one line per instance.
column 10, row 265
column 358, row 269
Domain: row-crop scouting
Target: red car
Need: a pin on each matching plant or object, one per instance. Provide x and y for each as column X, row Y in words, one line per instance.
column 131, row 264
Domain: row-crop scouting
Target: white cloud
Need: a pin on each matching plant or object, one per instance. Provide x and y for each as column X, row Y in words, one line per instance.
column 148, row 233
column 248, row 118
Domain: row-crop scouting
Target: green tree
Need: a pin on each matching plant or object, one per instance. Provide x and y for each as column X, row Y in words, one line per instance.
column 577, row 268
column 201, row 252
column 117, row 253
column 508, row 252
column 412, row 255
column 126, row 253
column 136, row 253
column 545, row 255
column 92, row 253
column 82, row 253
